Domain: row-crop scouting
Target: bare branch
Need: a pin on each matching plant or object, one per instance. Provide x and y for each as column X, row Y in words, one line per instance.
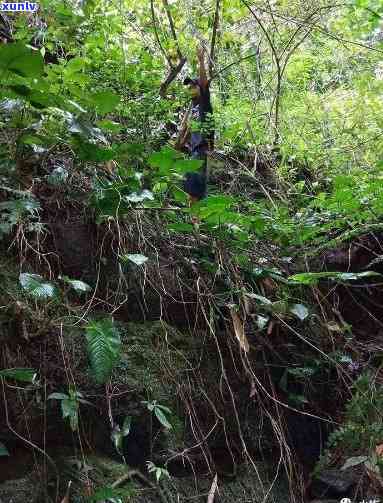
column 319, row 27
column 276, row 58
column 222, row 70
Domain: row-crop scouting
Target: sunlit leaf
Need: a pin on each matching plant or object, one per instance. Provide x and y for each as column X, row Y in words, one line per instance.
column 136, row 258
column 300, row 311
column 260, row 298
column 76, row 284
column 162, row 418
column 135, row 197
column 127, row 425
column 58, row 396
column 105, row 494
column 58, row 176
column 36, row 286
column 262, row 321
column 105, row 101
column 354, row 461
column 22, row 60
column 312, row 278
column 117, row 438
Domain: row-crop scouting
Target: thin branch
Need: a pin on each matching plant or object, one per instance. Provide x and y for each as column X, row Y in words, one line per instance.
column 174, row 70
column 157, row 36
column 276, row 101
column 244, row 58
column 295, row 33
column 265, row 32
column 273, row 18
column 214, row 37
column 172, row 28
column 320, row 28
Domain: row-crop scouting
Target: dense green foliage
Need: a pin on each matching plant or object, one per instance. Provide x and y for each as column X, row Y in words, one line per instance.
column 88, row 127
column 312, row 92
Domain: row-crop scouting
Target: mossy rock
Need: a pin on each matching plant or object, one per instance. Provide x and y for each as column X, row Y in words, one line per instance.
column 153, row 360
column 20, row 491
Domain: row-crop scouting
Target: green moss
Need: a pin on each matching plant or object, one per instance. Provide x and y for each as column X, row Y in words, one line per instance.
column 151, row 364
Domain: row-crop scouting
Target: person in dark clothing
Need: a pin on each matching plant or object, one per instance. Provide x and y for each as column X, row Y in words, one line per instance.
column 202, row 132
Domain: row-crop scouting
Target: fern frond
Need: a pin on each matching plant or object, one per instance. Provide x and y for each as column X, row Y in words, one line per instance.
column 104, row 348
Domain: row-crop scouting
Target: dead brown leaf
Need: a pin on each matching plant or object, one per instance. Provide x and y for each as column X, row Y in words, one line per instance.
column 239, row 330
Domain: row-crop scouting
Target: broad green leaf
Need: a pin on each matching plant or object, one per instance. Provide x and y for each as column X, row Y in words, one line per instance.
column 162, row 418
column 90, row 152
column 300, row 311
column 160, row 187
column 76, row 284
column 181, row 227
column 31, row 139
column 187, row 165
column 127, row 426
column 164, row 409
column 3, row 450
column 58, row 176
column 262, row 322
column 279, row 306
column 85, row 129
column 22, row 60
column 219, row 202
column 350, row 276
column 312, row 278
column 79, row 286
column 41, row 99
column 58, row 396
column 164, row 160
column 105, row 101
column 75, row 65
column 261, row 298
column 110, row 126
column 136, row 258
column 149, row 405
column 21, row 90
column 106, row 494
column 354, row 461
column 69, row 408
column 35, row 286
column 135, row 197
column 259, row 272
column 117, row 438
column 19, row 374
